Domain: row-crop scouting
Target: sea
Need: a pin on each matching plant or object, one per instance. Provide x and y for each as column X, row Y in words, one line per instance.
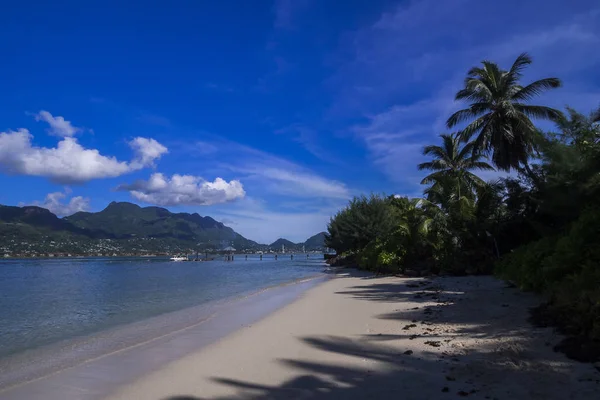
column 55, row 313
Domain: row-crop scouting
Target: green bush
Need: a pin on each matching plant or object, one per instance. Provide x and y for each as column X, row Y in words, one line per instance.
column 524, row 266
column 567, row 270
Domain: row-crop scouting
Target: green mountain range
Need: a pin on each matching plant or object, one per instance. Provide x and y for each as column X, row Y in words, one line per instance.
column 316, row 242
column 122, row 228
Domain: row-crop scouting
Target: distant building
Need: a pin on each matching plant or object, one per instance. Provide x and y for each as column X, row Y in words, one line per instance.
column 229, row 248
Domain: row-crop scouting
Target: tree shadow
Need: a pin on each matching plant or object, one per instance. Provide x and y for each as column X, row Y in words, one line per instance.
column 516, row 367
column 428, row 375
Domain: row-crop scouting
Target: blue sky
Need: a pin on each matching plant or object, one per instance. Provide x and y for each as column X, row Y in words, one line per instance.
column 266, row 115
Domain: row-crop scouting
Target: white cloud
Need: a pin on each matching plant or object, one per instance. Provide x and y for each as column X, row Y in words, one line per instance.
column 419, row 45
column 54, row 203
column 58, row 125
column 297, row 183
column 69, row 162
column 295, row 202
column 184, row 190
column 309, row 139
column 147, row 151
column 205, row 148
column 266, row 172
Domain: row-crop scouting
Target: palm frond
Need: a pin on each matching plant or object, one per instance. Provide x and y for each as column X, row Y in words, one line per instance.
column 482, row 165
column 435, row 165
column 433, row 178
column 435, row 151
column 468, row 150
column 515, row 72
column 473, row 128
column 536, row 88
column 540, row 112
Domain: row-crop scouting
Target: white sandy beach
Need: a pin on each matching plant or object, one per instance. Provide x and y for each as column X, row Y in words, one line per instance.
column 360, row 337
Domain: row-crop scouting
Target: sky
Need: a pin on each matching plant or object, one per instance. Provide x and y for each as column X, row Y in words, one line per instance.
column 266, row 115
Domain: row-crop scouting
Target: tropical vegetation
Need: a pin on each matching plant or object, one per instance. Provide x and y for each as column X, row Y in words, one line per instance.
column 538, row 227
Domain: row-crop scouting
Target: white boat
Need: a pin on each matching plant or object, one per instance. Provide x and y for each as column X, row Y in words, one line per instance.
column 176, row 258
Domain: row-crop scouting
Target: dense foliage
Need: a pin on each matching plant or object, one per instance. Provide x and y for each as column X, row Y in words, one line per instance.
column 539, row 228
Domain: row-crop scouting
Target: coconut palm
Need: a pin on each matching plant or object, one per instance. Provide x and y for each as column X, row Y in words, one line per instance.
column 502, row 123
column 453, row 163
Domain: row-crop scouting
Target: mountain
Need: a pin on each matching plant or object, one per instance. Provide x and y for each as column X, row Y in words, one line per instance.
column 276, row 245
column 316, row 242
column 126, row 220
column 126, row 227
column 36, row 218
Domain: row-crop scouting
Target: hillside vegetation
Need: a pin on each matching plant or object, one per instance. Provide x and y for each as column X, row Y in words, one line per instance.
column 123, row 228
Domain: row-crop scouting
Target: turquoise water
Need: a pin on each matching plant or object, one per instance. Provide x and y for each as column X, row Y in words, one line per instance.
column 46, row 301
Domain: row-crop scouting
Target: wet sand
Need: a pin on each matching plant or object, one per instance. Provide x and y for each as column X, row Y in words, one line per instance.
column 358, row 337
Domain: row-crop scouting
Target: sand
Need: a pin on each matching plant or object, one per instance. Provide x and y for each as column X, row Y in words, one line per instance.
column 362, row 337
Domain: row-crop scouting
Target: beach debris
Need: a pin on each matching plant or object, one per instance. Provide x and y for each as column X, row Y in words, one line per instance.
column 463, row 393
column 412, row 337
column 408, row 352
column 450, row 378
column 407, row 327
column 445, row 389
column 434, row 343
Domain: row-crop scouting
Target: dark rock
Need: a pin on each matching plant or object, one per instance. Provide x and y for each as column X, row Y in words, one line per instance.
column 407, row 327
column 445, row 389
column 463, row 393
column 408, row 352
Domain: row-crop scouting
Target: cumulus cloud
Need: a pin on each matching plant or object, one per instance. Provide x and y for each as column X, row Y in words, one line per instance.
column 58, row 125
column 147, row 151
column 69, row 162
column 184, row 190
column 54, row 202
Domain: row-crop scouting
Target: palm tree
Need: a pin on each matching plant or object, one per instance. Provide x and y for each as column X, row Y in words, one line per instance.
column 453, row 163
column 414, row 222
column 502, row 117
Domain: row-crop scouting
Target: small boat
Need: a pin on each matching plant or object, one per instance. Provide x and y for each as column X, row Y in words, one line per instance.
column 178, row 258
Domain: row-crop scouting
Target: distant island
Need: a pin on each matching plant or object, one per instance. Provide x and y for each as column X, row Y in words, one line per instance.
column 125, row 229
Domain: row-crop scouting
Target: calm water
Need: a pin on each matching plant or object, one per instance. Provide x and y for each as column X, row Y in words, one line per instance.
column 46, row 301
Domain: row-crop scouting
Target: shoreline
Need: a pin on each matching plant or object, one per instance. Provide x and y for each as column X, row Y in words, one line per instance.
column 358, row 336
column 351, row 335
column 25, row 367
